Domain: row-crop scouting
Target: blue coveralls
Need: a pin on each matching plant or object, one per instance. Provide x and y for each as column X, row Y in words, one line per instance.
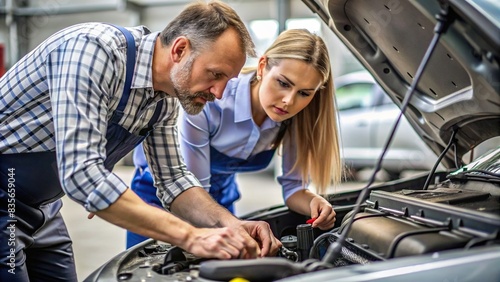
column 223, row 187
column 35, row 242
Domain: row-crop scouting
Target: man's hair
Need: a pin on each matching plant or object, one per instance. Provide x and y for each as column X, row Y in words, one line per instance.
column 202, row 23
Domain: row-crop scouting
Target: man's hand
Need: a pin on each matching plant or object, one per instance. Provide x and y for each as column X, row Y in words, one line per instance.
column 131, row 213
column 208, row 213
column 261, row 232
column 221, row 243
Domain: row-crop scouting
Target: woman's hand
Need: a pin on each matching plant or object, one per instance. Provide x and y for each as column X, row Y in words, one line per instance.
column 323, row 211
column 311, row 204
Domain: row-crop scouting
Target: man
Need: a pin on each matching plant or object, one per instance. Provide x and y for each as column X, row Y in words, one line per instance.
column 74, row 106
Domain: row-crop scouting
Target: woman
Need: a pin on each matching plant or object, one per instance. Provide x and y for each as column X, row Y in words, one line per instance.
column 287, row 101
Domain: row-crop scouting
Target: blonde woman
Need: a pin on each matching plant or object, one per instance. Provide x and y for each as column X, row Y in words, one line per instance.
column 286, row 100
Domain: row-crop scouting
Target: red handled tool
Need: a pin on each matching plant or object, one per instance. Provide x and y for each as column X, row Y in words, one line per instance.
column 310, row 221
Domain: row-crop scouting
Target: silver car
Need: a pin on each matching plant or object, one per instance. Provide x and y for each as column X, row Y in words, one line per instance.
column 366, row 116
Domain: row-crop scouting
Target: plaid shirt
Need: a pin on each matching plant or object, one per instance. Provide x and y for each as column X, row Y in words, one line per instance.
column 60, row 96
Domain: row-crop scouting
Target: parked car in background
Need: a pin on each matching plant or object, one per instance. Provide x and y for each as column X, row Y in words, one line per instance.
column 366, row 117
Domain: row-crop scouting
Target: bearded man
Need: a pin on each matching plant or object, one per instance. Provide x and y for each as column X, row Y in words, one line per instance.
column 84, row 98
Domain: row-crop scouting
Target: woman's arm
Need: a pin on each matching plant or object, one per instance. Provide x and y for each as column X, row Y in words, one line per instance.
column 296, row 195
column 308, row 203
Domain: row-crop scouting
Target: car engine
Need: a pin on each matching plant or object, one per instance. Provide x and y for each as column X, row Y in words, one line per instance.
column 399, row 219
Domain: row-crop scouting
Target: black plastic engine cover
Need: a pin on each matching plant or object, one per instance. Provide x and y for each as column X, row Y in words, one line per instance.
column 407, row 223
column 390, row 236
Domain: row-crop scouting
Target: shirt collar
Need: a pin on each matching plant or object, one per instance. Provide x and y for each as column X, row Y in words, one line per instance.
column 242, row 99
column 243, row 102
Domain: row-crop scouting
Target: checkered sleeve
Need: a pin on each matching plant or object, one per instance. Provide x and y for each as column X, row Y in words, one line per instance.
column 167, row 165
column 81, row 74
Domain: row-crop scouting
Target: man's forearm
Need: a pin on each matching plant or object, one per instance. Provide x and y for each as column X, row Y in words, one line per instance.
column 198, row 207
column 132, row 213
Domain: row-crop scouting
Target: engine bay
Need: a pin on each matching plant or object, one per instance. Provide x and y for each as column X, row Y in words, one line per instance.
column 399, row 219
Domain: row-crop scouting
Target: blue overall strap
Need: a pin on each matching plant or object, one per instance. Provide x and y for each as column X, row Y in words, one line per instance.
column 129, row 73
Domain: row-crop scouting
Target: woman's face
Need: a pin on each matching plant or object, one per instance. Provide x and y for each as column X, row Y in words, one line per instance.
column 287, row 88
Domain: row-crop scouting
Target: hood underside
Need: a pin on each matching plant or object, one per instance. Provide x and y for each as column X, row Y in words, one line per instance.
column 460, row 86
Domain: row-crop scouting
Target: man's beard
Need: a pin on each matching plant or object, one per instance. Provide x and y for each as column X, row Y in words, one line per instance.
column 180, row 79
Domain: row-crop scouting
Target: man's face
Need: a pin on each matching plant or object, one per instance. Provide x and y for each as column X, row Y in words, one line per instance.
column 192, row 103
column 202, row 76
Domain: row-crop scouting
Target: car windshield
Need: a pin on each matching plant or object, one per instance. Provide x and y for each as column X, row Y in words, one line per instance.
column 353, row 96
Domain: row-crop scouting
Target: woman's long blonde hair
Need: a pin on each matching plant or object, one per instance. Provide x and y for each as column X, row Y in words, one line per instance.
column 315, row 127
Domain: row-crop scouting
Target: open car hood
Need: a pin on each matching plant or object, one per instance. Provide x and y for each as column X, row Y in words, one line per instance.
column 460, row 86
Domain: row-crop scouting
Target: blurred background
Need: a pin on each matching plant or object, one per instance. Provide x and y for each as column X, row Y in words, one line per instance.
column 365, row 113
column 26, row 23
